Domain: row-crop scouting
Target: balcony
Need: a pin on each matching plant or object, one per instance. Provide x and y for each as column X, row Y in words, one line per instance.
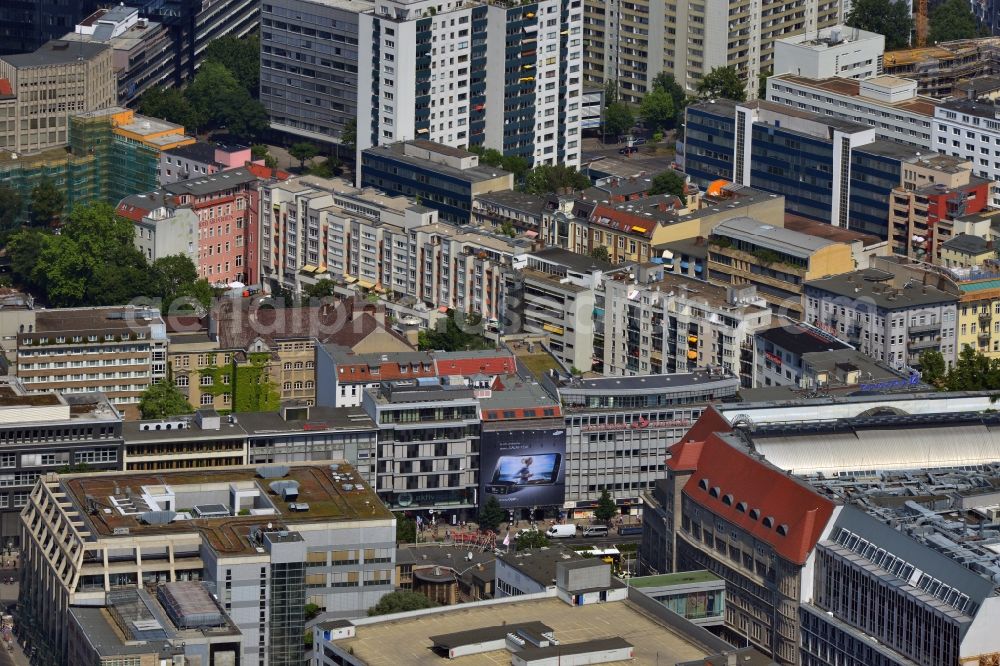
column 933, row 327
column 985, row 318
column 925, row 343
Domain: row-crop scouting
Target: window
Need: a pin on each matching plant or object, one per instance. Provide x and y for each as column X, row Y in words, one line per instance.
column 181, row 381
column 287, row 386
column 207, row 380
column 206, row 399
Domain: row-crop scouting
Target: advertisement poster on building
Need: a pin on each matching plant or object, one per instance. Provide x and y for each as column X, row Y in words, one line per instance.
column 523, row 468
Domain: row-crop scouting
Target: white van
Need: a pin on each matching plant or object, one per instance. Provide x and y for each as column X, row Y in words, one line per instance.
column 561, row 531
column 595, row 531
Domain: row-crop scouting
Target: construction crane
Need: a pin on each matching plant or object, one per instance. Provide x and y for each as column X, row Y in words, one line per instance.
column 921, row 22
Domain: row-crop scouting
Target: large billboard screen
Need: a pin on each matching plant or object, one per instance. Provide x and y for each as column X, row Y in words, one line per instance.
column 523, row 468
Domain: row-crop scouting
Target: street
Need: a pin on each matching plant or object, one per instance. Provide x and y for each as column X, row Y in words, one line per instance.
column 8, row 598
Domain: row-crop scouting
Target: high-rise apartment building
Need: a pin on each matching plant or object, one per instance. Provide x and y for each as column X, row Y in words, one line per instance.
column 309, row 66
column 495, row 74
column 632, row 42
column 59, row 80
column 27, row 24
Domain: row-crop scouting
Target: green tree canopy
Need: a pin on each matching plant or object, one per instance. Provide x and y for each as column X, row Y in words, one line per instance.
column 406, row 529
column 722, row 82
column 400, row 601
column 932, row 367
column 952, row 19
column 515, row 164
column 449, row 336
column 531, row 539
column 668, row 182
column 302, row 151
column 217, row 96
column 259, row 152
column 322, row 289
column 666, row 82
column 47, row 203
column 601, row 253
column 885, row 17
column 171, row 104
column 175, row 278
column 162, row 400
column 606, row 507
column 973, row 371
column 10, row 210
column 618, row 118
column 491, row 514
column 546, row 178
column 241, row 56
column 657, row 109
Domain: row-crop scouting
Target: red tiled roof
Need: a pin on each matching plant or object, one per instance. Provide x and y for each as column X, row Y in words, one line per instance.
column 5, row 88
column 266, row 172
column 735, row 487
column 133, row 213
column 501, row 364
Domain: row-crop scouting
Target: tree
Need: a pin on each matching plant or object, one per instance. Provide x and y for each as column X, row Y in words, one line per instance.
column 491, row 515
column 531, row 539
column 217, row 96
column 259, row 152
column 657, row 109
column 241, row 56
column 973, row 371
column 10, row 210
column 171, row 104
column 666, row 82
column 312, row 610
column 302, row 151
column 722, row 82
column 175, row 281
column 886, row 17
column 448, row 335
column 547, row 178
column 668, row 182
column 400, row 601
column 349, row 136
column 606, row 507
column 162, row 400
column 952, row 19
column 618, row 119
column 47, row 203
column 762, row 82
column 322, row 289
column 24, row 249
column 406, row 529
column 516, row 165
column 507, row 229
column 932, row 368
column 610, row 92
column 601, row 253
column 490, row 156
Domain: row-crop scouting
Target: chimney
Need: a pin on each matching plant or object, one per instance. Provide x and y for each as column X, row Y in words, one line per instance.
column 732, row 658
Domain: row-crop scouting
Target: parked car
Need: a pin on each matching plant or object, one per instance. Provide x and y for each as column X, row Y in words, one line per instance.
column 628, row 150
column 595, row 530
column 629, row 530
column 639, row 141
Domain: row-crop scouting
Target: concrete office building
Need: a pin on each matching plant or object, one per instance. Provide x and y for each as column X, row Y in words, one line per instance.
column 269, row 540
column 834, row 51
column 618, row 430
column 59, row 80
column 44, row 432
column 143, row 51
column 662, row 323
column 887, row 103
column 780, row 352
column 491, row 74
column 889, row 317
column 428, row 443
column 444, row 178
column 27, row 24
column 633, row 42
column 309, row 66
column 118, row 351
column 846, row 181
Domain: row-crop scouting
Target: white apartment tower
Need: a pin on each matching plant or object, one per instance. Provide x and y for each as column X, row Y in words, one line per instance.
column 503, row 75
